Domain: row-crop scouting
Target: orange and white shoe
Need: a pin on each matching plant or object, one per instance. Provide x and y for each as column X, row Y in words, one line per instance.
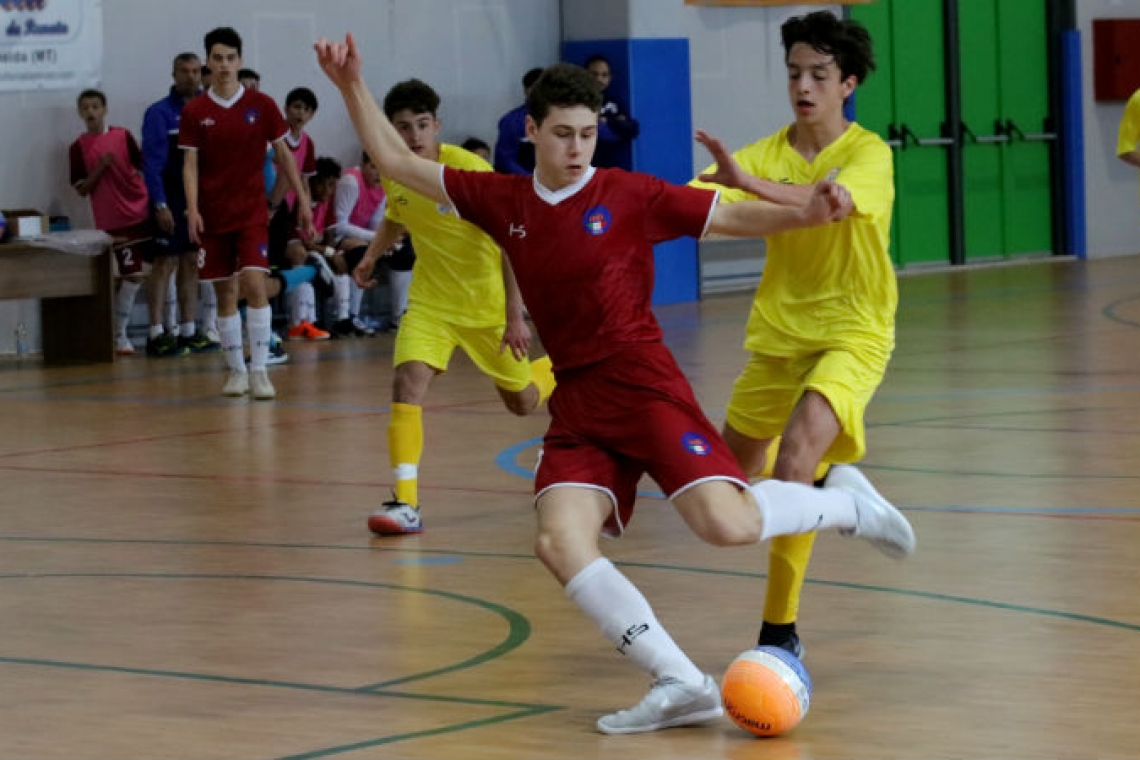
column 307, row 331
column 123, row 346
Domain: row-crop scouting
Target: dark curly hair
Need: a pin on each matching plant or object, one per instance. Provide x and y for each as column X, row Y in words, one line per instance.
column 412, row 95
column 848, row 41
column 562, row 85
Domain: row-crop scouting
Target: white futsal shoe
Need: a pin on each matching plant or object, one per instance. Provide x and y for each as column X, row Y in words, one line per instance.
column 237, row 384
column 260, row 389
column 669, row 703
column 877, row 520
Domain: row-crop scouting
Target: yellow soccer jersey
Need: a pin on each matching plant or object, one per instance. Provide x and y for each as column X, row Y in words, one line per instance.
column 1129, row 135
column 832, row 285
column 458, row 274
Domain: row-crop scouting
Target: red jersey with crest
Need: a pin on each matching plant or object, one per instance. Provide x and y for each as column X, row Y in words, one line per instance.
column 230, row 137
column 583, row 256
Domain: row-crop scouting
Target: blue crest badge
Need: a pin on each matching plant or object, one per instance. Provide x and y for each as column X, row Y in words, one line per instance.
column 597, row 220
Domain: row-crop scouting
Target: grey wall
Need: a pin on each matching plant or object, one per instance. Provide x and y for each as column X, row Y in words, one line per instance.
column 1111, row 186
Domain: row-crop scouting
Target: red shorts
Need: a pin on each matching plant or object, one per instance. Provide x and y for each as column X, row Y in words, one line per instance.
column 631, row 414
column 227, row 253
column 132, row 247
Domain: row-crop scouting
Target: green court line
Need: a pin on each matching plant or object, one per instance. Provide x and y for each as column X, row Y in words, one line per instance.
column 519, row 630
column 420, row 734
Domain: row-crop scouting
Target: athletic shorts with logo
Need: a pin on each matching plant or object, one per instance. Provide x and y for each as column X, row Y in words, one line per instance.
column 630, row 414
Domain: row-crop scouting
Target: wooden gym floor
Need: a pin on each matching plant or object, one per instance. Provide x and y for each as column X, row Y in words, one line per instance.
column 185, row 576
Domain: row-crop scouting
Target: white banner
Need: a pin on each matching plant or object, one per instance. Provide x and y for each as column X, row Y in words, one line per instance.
column 50, row 44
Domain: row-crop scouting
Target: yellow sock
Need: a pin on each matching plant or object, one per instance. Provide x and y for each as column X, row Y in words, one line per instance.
column 405, row 447
column 788, row 559
column 542, row 376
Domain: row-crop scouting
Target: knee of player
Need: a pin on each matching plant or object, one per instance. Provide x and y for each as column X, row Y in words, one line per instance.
column 742, row 530
column 519, row 404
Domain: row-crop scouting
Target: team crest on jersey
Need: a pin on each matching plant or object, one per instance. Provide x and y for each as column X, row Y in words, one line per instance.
column 696, row 443
column 251, row 116
column 597, row 220
column 443, row 208
column 263, row 251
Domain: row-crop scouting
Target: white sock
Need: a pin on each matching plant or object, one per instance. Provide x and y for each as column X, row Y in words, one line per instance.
column 398, row 284
column 187, row 329
column 258, row 323
column 155, row 331
column 789, row 508
column 124, row 304
column 229, row 330
column 342, row 288
column 356, row 296
column 171, row 310
column 626, row 619
column 207, row 306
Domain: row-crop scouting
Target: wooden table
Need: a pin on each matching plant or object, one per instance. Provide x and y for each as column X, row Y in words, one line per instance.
column 76, row 309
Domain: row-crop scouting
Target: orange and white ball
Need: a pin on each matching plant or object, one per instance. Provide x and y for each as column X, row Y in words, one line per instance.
column 766, row 690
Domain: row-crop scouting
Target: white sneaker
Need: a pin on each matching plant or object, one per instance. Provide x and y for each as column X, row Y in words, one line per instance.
column 669, row 703
column 877, row 520
column 259, row 386
column 395, row 518
column 323, row 269
column 123, row 346
column 237, row 384
column 213, row 336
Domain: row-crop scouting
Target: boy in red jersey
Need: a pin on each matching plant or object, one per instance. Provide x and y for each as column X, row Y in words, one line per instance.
column 224, row 132
column 580, row 243
column 106, row 166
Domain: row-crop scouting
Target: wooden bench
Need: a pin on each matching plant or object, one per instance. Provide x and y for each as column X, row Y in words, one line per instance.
column 76, row 306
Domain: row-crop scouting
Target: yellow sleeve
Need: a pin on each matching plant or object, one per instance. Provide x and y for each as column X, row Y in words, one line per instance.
column 1129, row 126
column 869, row 176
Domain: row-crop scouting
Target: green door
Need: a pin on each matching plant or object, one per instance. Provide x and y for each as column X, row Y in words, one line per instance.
column 984, row 149
column 1023, row 63
column 909, row 50
column 1006, row 172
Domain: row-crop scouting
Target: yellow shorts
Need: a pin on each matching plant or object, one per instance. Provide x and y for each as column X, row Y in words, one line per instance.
column 423, row 337
column 768, row 389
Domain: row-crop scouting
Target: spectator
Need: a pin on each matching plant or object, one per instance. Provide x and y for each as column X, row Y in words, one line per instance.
column 162, row 170
column 513, row 152
column 616, row 130
column 105, row 165
column 478, row 147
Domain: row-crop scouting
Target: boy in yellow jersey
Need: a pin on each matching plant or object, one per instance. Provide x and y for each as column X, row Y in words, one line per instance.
column 821, row 328
column 462, row 295
column 1128, row 140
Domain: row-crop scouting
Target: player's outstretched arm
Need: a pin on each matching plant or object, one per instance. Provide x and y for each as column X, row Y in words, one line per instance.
column 728, row 173
column 829, row 202
column 341, row 63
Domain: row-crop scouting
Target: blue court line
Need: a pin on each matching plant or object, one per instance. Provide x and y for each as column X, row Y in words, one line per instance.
column 507, row 461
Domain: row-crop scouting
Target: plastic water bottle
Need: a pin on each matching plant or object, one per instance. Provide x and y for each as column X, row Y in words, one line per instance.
column 21, row 340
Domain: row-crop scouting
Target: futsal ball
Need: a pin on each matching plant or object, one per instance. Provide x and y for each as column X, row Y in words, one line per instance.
column 766, row 690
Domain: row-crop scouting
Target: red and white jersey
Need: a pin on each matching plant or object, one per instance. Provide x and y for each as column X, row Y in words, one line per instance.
column 229, row 137
column 583, row 256
column 119, row 199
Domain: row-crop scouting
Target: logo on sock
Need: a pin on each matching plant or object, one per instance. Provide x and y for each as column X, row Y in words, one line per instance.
column 630, row 635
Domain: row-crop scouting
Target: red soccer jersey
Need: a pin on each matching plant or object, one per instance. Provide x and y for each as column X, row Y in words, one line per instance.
column 584, row 264
column 230, row 138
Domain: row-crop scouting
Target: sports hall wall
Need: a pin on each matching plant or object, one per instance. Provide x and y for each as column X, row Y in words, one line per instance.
column 473, row 52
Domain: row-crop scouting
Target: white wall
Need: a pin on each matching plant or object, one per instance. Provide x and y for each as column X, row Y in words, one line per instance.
column 1112, row 196
column 472, row 51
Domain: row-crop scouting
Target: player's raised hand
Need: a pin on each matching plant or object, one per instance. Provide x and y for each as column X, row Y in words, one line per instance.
column 339, row 60
column 728, row 172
